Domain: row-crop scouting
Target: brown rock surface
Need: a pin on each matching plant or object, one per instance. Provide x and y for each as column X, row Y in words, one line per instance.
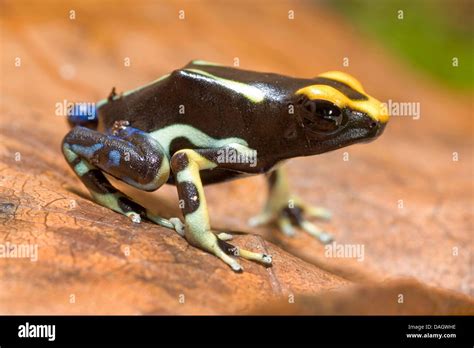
column 83, row 247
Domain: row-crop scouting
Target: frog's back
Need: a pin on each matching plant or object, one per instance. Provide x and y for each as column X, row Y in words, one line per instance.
column 220, row 101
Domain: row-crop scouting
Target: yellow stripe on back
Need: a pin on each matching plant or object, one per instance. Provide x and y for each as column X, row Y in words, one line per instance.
column 252, row 93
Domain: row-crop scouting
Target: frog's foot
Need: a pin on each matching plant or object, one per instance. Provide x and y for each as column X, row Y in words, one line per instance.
column 249, row 255
column 217, row 244
column 223, row 249
column 124, row 205
column 178, row 225
column 286, row 218
column 120, row 203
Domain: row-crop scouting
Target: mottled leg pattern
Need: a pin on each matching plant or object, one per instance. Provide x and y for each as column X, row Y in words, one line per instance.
column 286, row 210
column 127, row 154
column 186, row 165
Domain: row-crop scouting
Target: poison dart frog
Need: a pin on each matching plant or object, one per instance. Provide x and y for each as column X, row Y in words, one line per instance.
column 206, row 123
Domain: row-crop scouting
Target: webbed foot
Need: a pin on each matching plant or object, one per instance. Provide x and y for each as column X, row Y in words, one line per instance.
column 287, row 217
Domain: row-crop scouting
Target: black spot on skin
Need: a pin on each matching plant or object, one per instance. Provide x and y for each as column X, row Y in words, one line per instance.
column 142, row 169
column 211, row 155
column 228, row 248
column 345, row 89
column 76, row 161
column 128, row 205
column 187, row 191
column 179, row 162
column 295, row 214
column 95, row 180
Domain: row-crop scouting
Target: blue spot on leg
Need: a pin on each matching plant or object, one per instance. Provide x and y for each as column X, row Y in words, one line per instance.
column 86, row 151
column 114, row 158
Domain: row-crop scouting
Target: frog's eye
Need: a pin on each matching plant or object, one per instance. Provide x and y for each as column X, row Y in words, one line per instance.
column 322, row 115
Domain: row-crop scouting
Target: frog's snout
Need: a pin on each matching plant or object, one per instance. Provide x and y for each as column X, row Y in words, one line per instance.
column 377, row 128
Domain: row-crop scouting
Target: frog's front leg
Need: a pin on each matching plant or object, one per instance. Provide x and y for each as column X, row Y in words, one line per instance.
column 129, row 155
column 287, row 210
column 186, row 165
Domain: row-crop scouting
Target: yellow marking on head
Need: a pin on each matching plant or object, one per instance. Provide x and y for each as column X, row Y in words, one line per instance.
column 372, row 107
column 324, row 92
column 344, row 78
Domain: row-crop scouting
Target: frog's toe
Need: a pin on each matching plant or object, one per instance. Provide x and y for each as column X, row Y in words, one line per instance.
column 284, row 224
column 253, row 256
column 222, row 251
column 178, row 225
column 230, row 249
column 224, row 236
column 260, row 219
column 134, row 217
column 326, row 238
column 315, row 231
column 291, row 217
column 317, row 212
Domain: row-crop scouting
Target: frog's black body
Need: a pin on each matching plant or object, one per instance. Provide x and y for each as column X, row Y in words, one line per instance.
column 210, row 108
column 182, row 123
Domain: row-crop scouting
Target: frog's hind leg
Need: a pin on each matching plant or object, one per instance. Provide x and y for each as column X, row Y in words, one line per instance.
column 127, row 154
column 287, row 210
column 186, row 165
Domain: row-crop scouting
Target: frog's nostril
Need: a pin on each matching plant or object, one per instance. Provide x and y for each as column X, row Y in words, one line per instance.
column 380, row 128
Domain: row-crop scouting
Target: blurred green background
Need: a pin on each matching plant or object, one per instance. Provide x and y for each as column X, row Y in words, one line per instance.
column 430, row 34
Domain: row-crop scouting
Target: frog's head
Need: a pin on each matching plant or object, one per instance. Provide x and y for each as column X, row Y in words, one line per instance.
column 335, row 112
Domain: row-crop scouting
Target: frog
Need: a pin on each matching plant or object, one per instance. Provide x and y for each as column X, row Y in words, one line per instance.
column 207, row 123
